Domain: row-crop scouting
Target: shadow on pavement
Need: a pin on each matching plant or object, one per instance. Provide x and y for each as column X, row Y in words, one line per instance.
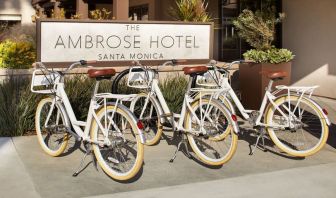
column 250, row 136
column 332, row 135
column 175, row 139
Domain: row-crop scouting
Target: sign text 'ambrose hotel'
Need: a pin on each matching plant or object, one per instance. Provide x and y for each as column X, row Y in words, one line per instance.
column 70, row 41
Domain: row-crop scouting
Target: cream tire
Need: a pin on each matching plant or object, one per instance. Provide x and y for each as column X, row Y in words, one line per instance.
column 324, row 132
column 234, row 138
column 159, row 128
column 140, row 148
column 41, row 141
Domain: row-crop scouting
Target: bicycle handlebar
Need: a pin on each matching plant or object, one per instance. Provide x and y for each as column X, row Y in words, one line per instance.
column 238, row 62
column 172, row 62
column 81, row 62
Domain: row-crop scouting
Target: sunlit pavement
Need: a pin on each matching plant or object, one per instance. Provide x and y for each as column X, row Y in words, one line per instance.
column 25, row 171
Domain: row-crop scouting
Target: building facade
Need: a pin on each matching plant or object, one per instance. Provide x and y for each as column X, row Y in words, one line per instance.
column 308, row 29
column 16, row 11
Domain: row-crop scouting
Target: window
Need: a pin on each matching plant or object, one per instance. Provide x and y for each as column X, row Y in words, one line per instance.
column 5, row 24
column 139, row 13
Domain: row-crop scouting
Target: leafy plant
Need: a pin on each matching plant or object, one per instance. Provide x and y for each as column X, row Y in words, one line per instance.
column 100, row 14
column 16, row 54
column 173, row 89
column 190, row 10
column 59, row 15
column 256, row 28
column 17, row 107
column 272, row 55
column 76, row 16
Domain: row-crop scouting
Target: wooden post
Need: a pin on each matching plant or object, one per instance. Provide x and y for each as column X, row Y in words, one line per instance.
column 82, row 9
column 120, row 9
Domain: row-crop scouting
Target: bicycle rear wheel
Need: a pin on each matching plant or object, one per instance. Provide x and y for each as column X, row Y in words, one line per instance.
column 122, row 159
column 219, row 144
column 308, row 130
column 51, row 124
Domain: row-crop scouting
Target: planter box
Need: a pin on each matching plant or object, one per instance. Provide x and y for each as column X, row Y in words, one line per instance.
column 253, row 83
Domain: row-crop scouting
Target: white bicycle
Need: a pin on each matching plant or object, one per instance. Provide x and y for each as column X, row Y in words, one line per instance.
column 111, row 130
column 294, row 122
column 210, row 127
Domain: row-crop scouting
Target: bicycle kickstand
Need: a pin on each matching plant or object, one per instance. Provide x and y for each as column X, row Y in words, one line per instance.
column 88, row 151
column 262, row 136
column 184, row 142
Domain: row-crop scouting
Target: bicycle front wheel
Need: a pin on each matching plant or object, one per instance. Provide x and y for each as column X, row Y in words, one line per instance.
column 302, row 134
column 219, row 143
column 51, row 124
column 123, row 158
column 148, row 114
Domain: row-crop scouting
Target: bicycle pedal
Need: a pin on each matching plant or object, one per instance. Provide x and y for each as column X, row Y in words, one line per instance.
column 111, row 159
column 171, row 161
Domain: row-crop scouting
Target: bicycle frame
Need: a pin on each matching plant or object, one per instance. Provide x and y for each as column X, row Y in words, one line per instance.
column 268, row 97
column 62, row 99
column 156, row 91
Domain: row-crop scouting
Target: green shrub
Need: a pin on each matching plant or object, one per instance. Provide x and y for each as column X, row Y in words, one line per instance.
column 100, row 14
column 190, row 10
column 173, row 90
column 17, row 107
column 258, row 30
column 273, row 55
column 16, row 55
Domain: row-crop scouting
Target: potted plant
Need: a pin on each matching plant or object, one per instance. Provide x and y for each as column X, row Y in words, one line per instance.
column 258, row 30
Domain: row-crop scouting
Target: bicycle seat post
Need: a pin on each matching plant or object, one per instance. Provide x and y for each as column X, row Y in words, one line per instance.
column 269, row 86
column 191, row 82
column 95, row 91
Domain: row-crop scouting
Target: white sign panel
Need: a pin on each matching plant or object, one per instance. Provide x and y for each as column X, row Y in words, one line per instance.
column 73, row 41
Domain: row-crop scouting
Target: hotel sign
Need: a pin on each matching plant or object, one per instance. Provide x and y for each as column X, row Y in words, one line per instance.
column 69, row 41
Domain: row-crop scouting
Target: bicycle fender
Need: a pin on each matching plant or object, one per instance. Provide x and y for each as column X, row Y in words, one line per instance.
column 234, row 123
column 156, row 103
column 62, row 108
column 315, row 103
column 235, row 126
column 324, row 116
column 134, row 120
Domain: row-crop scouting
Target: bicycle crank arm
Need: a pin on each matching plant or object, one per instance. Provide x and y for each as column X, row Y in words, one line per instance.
column 74, row 134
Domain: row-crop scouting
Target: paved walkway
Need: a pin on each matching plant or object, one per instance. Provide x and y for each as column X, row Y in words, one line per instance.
column 25, row 171
column 14, row 177
column 314, row 181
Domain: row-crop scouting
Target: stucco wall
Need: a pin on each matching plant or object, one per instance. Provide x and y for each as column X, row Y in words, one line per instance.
column 17, row 7
column 309, row 31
